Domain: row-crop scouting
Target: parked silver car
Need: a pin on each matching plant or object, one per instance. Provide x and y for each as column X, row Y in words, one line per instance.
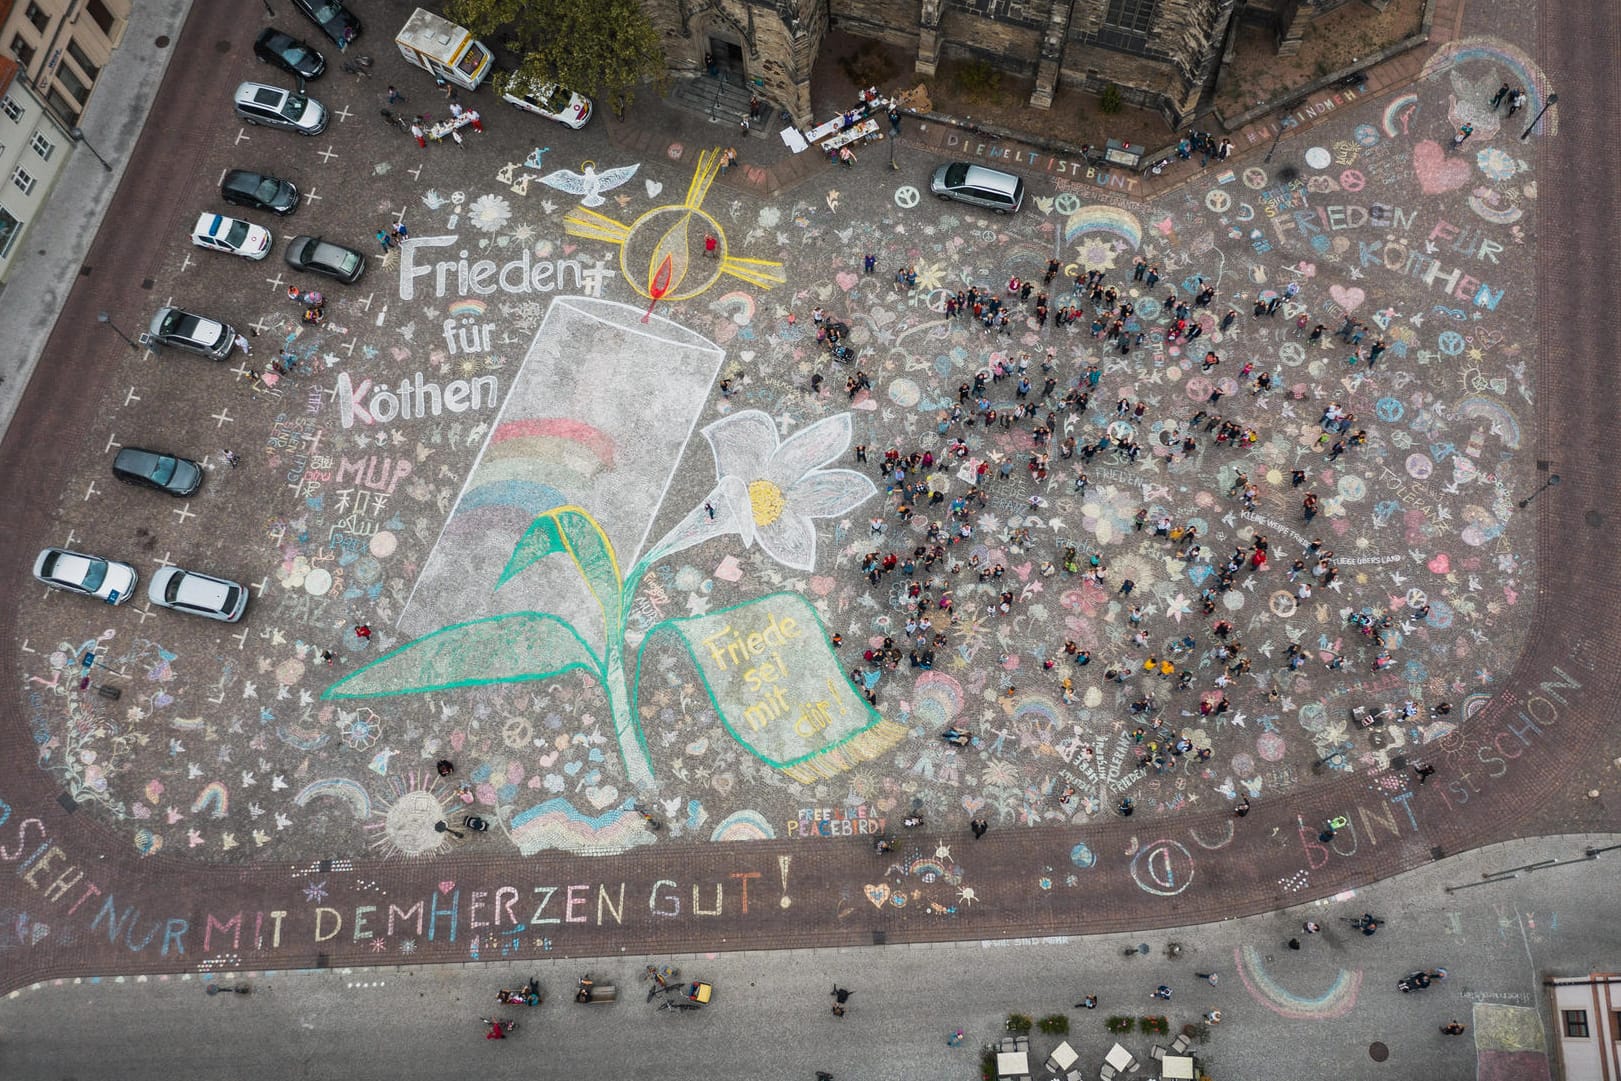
column 198, row 334
column 260, row 103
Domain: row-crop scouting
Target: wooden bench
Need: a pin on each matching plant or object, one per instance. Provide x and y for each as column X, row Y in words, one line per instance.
column 601, row 994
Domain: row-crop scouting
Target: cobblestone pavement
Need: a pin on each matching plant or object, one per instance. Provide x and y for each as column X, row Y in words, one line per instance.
column 567, row 468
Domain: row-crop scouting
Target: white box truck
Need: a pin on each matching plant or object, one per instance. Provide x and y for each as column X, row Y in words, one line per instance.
column 444, row 49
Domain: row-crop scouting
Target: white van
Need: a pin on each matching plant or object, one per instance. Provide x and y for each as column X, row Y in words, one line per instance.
column 444, row 49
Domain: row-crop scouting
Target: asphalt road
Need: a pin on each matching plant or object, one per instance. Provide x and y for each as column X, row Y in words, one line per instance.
column 1318, row 1012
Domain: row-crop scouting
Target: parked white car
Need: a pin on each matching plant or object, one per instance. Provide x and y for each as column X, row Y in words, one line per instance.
column 231, row 235
column 93, row 576
column 551, row 101
column 199, row 594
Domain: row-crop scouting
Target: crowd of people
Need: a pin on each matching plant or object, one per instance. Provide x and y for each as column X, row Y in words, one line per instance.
column 1018, row 410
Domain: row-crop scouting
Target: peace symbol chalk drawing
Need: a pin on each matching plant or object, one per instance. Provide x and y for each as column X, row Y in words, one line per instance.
column 906, row 196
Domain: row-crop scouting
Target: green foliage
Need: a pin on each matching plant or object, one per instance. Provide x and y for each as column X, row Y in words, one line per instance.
column 1019, row 1024
column 870, row 65
column 603, row 49
column 1054, row 1024
column 1110, row 102
column 987, row 1065
column 1118, row 1024
column 1155, row 1026
column 977, row 79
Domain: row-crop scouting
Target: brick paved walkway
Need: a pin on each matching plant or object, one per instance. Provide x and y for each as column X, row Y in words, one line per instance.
column 77, row 900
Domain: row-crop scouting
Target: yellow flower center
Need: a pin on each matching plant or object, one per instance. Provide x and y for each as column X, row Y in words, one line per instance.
column 767, row 502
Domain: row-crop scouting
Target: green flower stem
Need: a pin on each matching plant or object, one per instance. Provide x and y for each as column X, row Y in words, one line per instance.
column 621, row 695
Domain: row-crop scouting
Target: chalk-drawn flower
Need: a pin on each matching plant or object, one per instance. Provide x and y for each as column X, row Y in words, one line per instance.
column 489, row 213
column 769, row 490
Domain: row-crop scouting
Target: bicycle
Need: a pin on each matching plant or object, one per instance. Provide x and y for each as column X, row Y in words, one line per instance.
column 360, row 65
column 398, row 121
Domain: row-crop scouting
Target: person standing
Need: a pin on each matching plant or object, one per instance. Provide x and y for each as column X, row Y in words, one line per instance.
column 1462, row 135
column 1453, row 1028
column 1497, row 98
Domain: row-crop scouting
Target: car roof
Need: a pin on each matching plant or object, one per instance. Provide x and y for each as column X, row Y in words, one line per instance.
column 68, row 565
column 979, row 174
column 202, row 590
column 262, row 94
column 243, row 180
column 137, row 460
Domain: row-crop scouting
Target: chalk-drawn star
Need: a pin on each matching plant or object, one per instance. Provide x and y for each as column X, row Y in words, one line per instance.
column 315, row 891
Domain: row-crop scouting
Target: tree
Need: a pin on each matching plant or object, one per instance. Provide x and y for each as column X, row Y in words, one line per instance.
column 601, row 48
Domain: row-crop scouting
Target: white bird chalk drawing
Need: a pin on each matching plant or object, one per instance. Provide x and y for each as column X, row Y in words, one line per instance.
column 591, row 183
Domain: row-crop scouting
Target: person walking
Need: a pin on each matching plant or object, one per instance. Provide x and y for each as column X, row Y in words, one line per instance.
column 1424, row 771
column 363, row 632
column 1210, row 977
column 1462, row 135
column 231, row 457
column 840, row 997
column 384, row 239
column 1497, row 98
column 1453, row 1028
column 1088, row 1002
column 1162, row 992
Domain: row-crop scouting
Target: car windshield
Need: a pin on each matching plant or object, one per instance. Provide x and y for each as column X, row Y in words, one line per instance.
column 238, row 234
column 294, row 107
column 179, row 323
column 163, row 471
column 557, row 101
column 327, row 12
column 340, row 259
column 294, row 53
column 269, row 187
column 95, row 573
column 956, row 174
column 171, row 590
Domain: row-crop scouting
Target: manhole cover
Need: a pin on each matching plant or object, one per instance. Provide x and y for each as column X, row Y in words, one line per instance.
column 162, row 41
column 1594, row 518
column 1287, row 173
column 1378, row 1052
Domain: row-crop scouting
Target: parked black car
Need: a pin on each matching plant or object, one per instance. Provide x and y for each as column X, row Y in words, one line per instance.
column 286, row 52
column 154, row 469
column 335, row 20
column 243, row 188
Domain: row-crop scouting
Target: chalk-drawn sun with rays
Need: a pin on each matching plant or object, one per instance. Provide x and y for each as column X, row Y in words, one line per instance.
column 661, row 253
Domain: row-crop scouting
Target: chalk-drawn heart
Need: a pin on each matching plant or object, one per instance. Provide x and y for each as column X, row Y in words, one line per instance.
column 653, row 188
column 698, row 746
column 140, row 810
column 867, row 403
column 729, row 570
column 571, row 768
column 547, row 760
column 568, row 249
column 446, row 887
column 1440, row 564
column 37, row 933
column 605, row 796
column 1436, row 171
column 1348, row 299
column 876, row 894
column 746, row 355
column 848, row 279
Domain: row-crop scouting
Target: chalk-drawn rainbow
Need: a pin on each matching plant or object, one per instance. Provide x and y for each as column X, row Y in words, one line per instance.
column 214, row 795
column 556, row 825
column 745, row 825
column 1522, row 71
column 1399, row 104
column 1104, row 219
column 468, row 306
column 339, row 788
column 1337, row 1001
column 502, row 496
column 924, row 865
column 1501, row 421
column 1039, row 710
